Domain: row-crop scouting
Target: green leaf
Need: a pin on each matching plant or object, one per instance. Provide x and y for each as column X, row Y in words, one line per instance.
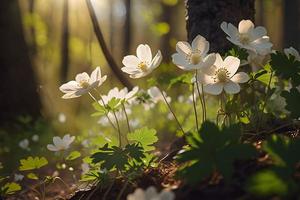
column 147, row 137
column 292, row 102
column 216, row 150
column 32, row 163
column 32, row 176
column 114, row 103
column 238, row 52
column 11, row 188
column 119, row 158
column 265, row 79
column 182, row 79
column 266, row 183
column 73, row 155
column 286, row 67
column 284, row 152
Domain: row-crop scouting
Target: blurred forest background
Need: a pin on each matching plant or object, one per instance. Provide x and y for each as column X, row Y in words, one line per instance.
column 59, row 42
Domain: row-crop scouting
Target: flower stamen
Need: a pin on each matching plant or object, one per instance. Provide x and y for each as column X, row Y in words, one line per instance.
column 221, row 75
column 244, row 38
column 143, row 66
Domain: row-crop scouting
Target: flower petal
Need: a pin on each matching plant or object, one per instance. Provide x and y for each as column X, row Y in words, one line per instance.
column 245, row 26
column 51, row 147
column 70, row 86
column 143, row 52
column 180, row 61
column 214, row 88
column 156, row 61
column 240, row 77
column 131, row 61
column 232, row 87
column 208, row 63
column 230, row 30
column 70, row 95
column 184, row 48
column 130, row 70
column 201, row 44
column 82, row 77
column 231, row 64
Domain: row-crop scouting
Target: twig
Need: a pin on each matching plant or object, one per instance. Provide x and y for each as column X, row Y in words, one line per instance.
column 110, row 60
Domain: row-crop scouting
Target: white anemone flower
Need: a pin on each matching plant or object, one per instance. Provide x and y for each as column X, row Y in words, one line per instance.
column 192, row 57
column 248, row 37
column 142, row 64
column 82, row 84
column 151, row 194
column 60, row 144
column 292, row 52
column 18, row 177
column 222, row 75
column 156, row 95
column 120, row 94
column 24, row 144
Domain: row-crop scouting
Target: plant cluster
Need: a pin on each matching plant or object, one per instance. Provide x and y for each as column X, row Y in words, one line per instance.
column 254, row 85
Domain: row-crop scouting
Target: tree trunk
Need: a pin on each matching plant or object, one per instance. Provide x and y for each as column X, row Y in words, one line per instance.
column 127, row 28
column 18, row 86
column 204, row 17
column 291, row 23
column 65, row 42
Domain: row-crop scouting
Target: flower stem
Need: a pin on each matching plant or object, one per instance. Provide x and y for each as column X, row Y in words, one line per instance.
column 127, row 119
column 200, row 97
column 194, row 105
column 169, row 106
column 106, row 114
column 204, row 103
column 119, row 131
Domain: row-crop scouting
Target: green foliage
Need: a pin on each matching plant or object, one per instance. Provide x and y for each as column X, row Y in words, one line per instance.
column 73, row 155
column 238, row 52
column 278, row 179
column 118, row 158
column 114, row 104
column 292, row 100
column 145, row 136
column 182, row 79
column 266, row 183
column 286, row 67
column 10, row 188
column 32, row 163
column 32, row 176
column 101, row 110
column 215, row 150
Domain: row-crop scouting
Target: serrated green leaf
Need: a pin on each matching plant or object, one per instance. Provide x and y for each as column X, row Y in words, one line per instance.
column 183, row 79
column 73, row 155
column 145, row 136
column 292, row 102
column 114, row 103
column 98, row 107
column 32, row 176
column 217, row 150
column 11, row 188
column 286, row 67
column 32, row 163
column 267, row 183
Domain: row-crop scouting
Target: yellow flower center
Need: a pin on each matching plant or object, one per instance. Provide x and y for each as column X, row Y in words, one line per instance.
column 244, row 38
column 84, row 84
column 143, row 66
column 222, row 75
column 195, row 57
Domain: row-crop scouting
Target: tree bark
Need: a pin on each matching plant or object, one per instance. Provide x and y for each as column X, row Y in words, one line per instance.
column 204, row 17
column 65, row 42
column 127, row 28
column 18, row 85
column 291, row 23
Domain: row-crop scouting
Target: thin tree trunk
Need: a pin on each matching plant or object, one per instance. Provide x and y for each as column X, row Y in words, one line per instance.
column 65, row 42
column 33, row 46
column 127, row 28
column 291, row 23
column 111, row 26
column 110, row 60
column 165, row 39
column 205, row 16
column 18, row 86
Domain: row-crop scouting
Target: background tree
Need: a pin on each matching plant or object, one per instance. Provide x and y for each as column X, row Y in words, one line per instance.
column 205, row 16
column 19, row 91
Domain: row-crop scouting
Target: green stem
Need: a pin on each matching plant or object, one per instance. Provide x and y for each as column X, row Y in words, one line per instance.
column 127, row 119
column 119, row 130
column 106, row 113
column 194, row 105
column 200, row 97
column 169, row 106
column 204, row 102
